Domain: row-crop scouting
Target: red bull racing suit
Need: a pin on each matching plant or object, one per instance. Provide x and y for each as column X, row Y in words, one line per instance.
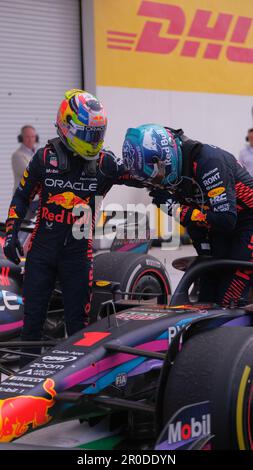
column 62, row 181
column 216, row 206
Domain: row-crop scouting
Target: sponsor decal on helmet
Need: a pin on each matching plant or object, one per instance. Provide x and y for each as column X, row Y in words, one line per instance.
column 148, row 140
column 128, row 155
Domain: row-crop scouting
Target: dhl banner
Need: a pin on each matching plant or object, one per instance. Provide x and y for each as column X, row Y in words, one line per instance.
column 182, row 45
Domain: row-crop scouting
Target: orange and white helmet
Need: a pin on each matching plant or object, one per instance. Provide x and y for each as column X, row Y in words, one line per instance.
column 81, row 123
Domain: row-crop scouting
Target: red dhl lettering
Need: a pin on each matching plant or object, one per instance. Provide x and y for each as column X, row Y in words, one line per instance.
column 226, row 27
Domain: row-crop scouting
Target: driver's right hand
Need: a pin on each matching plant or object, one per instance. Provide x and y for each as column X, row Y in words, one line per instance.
column 12, row 248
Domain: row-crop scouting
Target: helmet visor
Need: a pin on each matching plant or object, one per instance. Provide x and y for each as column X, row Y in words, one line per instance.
column 91, row 135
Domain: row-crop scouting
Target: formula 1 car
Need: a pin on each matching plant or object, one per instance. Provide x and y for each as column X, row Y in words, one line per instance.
column 127, row 267
column 168, row 377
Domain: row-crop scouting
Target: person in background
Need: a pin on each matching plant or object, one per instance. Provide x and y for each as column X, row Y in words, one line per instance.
column 246, row 154
column 28, row 139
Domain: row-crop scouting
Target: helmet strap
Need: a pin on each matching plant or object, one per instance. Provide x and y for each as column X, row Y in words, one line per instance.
column 90, row 168
column 61, row 154
column 161, row 171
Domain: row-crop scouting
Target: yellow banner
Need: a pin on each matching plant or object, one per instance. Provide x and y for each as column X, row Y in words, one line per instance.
column 184, row 45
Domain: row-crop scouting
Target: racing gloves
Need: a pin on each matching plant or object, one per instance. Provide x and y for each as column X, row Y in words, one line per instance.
column 161, row 197
column 191, row 214
column 110, row 165
column 185, row 215
column 12, row 246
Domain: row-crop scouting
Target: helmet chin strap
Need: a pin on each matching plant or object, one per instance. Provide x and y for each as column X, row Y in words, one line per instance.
column 90, row 168
column 200, row 190
column 62, row 156
column 174, row 186
column 159, row 168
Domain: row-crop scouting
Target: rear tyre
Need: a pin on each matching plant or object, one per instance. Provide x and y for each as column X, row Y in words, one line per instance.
column 146, row 285
column 134, row 273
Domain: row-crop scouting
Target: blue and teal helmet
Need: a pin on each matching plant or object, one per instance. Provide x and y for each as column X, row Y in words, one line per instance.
column 153, row 154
